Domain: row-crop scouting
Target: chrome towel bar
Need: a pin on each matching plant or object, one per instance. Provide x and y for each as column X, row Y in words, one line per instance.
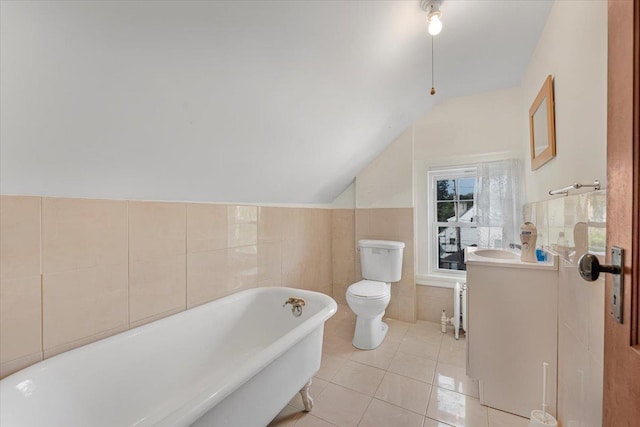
column 576, row 186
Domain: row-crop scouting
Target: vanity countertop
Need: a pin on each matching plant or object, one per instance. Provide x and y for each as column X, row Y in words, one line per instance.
column 506, row 259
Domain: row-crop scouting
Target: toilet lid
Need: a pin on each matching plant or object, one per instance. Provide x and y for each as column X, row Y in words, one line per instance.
column 368, row 289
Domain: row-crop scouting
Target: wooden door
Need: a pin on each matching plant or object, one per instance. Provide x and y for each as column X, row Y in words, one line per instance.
column 622, row 352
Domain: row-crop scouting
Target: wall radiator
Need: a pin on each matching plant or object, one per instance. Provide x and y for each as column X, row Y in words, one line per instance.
column 459, row 319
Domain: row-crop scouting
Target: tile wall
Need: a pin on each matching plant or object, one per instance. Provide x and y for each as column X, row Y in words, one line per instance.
column 343, row 251
column 73, row 271
column 349, row 226
column 432, row 300
column 20, row 283
column 582, row 219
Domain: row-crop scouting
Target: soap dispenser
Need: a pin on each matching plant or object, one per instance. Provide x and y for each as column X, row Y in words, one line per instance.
column 528, row 237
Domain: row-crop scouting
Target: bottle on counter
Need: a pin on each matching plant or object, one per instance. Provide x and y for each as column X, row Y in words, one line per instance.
column 562, row 247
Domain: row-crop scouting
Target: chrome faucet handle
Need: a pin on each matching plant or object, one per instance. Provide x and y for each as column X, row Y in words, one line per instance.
column 296, row 305
column 294, row 301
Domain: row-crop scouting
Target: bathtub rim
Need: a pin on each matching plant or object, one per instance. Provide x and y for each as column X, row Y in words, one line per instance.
column 187, row 409
column 186, row 416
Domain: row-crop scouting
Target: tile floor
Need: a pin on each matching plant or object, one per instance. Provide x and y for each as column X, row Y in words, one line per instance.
column 415, row 378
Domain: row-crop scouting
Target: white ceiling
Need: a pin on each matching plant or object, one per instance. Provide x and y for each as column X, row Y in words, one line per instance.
column 262, row 102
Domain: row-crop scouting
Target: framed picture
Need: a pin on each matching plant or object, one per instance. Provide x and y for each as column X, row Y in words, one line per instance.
column 542, row 126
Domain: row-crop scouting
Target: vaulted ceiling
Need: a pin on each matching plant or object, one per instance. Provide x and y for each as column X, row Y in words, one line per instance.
column 261, row 102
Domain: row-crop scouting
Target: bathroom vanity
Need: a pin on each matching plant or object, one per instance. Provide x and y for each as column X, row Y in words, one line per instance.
column 512, row 329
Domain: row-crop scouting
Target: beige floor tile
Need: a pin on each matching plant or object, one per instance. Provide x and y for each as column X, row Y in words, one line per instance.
column 404, row 392
column 308, row 420
column 504, row 419
column 383, row 414
column 428, row 422
column 380, row 357
column 421, row 346
column 412, row 366
column 359, row 377
column 453, row 352
column 317, row 385
column 341, row 406
column 337, row 346
column 389, row 345
column 456, row 409
column 454, row 378
column 397, row 330
column 343, row 329
column 330, row 365
column 423, row 328
column 330, row 327
column 286, row 418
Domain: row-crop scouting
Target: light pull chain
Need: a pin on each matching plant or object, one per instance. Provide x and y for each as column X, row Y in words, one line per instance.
column 433, row 89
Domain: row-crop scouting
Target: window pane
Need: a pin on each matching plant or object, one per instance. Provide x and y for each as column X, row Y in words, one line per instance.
column 466, row 187
column 468, row 237
column 451, row 244
column 466, row 211
column 446, row 211
column 445, row 189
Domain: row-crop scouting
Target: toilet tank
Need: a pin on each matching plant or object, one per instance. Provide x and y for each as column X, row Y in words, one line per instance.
column 381, row 260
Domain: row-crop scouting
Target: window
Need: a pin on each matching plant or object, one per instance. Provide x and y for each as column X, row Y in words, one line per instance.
column 451, row 219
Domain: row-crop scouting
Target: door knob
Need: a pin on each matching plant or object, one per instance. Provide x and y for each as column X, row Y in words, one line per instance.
column 590, row 269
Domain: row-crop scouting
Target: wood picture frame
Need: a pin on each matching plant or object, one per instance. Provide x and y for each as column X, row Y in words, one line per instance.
column 542, row 126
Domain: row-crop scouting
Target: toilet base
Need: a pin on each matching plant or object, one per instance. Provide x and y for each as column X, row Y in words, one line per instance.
column 370, row 332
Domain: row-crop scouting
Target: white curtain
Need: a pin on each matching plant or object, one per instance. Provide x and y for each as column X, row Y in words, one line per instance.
column 499, row 199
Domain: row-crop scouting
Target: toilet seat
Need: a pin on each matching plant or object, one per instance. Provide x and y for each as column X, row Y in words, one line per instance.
column 369, row 290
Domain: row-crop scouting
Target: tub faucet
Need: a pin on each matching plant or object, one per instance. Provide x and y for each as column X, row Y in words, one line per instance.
column 515, row 246
column 296, row 305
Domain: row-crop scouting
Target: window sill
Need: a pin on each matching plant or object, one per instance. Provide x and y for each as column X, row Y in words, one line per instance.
column 439, row 281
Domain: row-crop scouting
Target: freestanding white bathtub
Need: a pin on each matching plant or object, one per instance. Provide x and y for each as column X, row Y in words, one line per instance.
column 236, row 361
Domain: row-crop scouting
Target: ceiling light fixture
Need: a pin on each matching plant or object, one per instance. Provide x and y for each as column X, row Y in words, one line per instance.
column 432, row 7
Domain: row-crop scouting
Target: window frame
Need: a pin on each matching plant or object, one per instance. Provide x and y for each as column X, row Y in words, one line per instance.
column 433, row 176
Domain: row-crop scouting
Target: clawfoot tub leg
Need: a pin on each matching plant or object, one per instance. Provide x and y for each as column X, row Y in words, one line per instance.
column 306, row 396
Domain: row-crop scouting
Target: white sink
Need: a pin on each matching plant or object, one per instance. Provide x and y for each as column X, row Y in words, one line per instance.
column 505, row 258
column 497, row 253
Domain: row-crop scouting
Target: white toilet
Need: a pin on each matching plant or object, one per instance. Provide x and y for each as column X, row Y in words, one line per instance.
column 381, row 262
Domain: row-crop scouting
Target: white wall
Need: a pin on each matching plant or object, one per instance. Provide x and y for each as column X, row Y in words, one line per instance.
column 387, row 182
column 573, row 48
column 470, row 125
column 347, row 199
column 494, row 125
column 462, row 131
